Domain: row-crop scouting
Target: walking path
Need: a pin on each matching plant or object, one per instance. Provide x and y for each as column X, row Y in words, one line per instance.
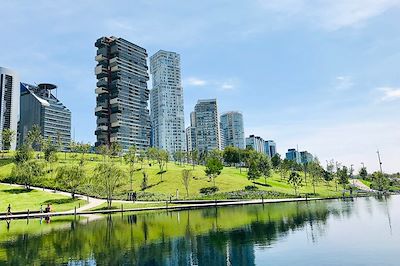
column 361, row 185
column 166, row 207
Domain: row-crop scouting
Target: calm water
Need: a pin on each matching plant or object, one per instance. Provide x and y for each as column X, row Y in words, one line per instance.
column 353, row 232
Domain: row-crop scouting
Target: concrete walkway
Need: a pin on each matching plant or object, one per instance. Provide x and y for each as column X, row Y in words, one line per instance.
column 360, row 185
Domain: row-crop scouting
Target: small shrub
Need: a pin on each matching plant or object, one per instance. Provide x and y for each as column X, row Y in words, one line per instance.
column 209, row 190
column 251, row 188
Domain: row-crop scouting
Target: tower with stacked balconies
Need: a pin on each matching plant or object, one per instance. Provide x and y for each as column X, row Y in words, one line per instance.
column 122, row 94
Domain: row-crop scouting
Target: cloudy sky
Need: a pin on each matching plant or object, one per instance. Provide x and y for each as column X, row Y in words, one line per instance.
column 320, row 74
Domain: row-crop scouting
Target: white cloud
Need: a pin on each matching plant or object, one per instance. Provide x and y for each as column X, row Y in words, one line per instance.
column 389, row 94
column 193, row 81
column 227, row 86
column 331, row 15
column 343, row 83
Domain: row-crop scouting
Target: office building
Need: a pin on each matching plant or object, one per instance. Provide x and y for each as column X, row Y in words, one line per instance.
column 232, row 130
column 190, row 138
column 306, row 157
column 9, row 103
column 270, row 148
column 122, row 94
column 166, row 102
column 293, row 155
column 40, row 107
column 256, row 143
column 206, row 122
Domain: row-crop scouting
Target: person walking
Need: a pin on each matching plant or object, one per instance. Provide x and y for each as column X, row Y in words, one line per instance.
column 9, row 209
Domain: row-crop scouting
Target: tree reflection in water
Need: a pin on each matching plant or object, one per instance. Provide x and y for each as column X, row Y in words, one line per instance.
column 223, row 236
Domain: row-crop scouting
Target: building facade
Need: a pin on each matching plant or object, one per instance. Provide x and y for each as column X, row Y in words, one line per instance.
column 207, row 126
column 256, row 143
column 122, row 94
column 166, row 102
column 306, row 157
column 293, row 155
column 270, row 148
column 9, row 103
column 40, row 107
column 232, row 130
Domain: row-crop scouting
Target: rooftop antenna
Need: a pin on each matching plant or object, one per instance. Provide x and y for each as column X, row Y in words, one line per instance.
column 379, row 159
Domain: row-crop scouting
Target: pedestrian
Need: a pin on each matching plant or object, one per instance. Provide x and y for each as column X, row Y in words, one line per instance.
column 41, row 209
column 9, row 209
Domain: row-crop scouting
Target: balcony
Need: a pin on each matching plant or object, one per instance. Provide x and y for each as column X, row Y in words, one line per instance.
column 100, row 70
column 100, row 109
column 114, row 101
column 115, row 124
column 102, row 128
column 114, row 68
column 102, row 82
column 100, row 57
column 101, row 90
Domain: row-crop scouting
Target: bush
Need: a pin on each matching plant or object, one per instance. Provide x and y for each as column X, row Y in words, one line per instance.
column 250, row 188
column 209, row 190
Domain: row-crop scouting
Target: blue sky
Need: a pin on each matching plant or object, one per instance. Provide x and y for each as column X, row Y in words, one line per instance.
column 323, row 75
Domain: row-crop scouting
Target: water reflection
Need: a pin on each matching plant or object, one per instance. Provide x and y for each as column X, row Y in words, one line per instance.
column 215, row 236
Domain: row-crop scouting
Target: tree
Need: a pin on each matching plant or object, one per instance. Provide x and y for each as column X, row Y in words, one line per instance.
column 284, row 168
column 253, row 166
column 141, row 157
column 295, row 180
column 379, row 181
column 26, row 172
column 151, row 154
column 265, row 167
column 145, row 180
column 276, row 161
column 24, row 153
column 363, row 172
column 103, row 150
column 115, row 148
column 179, row 156
column 71, row 176
column 231, row 155
column 162, row 159
column 214, row 166
column 50, row 153
column 315, row 171
column 108, row 177
column 186, row 180
column 35, row 138
column 130, row 159
column 194, row 157
column 7, row 136
column 343, row 176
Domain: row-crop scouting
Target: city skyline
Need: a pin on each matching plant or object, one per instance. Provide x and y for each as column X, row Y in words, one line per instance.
column 327, row 82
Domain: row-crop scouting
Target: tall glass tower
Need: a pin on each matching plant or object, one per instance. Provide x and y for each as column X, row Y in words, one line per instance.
column 166, row 102
column 122, row 94
column 9, row 103
column 232, row 130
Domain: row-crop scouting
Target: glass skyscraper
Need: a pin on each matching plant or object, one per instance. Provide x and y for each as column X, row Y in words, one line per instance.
column 122, row 94
column 40, row 107
column 232, row 130
column 166, row 102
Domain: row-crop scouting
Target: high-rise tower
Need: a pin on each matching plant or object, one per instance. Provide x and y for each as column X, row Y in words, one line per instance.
column 9, row 103
column 166, row 102
column 232, row 130
column 122, row 94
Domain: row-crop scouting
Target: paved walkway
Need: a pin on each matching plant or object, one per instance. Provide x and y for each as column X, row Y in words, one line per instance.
column 166, row 207
column 361, row 185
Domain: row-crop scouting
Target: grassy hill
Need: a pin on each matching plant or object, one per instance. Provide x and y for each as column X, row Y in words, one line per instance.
column 229, row 182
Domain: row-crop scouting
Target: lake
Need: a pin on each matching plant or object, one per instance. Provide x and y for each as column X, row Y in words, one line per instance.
column 362, row 231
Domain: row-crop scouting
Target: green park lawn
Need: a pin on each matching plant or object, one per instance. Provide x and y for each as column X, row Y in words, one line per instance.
column 230, row 179
column 22, row 200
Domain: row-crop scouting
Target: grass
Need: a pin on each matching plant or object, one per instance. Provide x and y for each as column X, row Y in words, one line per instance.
column 118, row 205
column 22, row 199
column 231, row 179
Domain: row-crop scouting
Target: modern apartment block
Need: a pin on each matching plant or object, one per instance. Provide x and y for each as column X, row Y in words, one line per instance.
column 270, row 148
column 190, row 138
column 9, row 103
column 166, row 102
column 122, row 94
column 293, row 155
column 232, row 130
column 306, row 157
column 256, row 143
column 40, row 107
column 205, row 119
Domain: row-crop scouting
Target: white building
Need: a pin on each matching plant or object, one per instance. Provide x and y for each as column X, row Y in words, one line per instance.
column 256, row 142
column 9, row 103
column 166, row 102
